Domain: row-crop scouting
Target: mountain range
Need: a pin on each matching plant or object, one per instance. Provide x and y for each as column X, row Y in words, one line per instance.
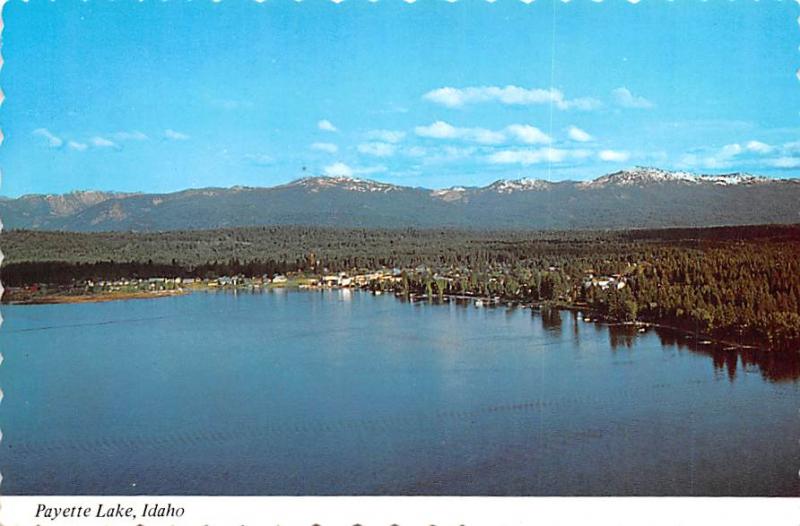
column 634, row 198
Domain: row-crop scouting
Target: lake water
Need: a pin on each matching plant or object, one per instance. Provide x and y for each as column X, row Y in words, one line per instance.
column 312, row 393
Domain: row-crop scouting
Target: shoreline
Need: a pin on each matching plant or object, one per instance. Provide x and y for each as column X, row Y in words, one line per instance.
column 589, row 315
column 102, row 297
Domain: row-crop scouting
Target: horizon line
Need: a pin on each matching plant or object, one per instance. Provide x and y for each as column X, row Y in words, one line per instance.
column 354, row 178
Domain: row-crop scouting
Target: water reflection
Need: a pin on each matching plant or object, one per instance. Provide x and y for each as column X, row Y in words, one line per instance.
column 621, row 335
column 577, row 318
column 774, row 366
column 369, row 395
column 551, row 319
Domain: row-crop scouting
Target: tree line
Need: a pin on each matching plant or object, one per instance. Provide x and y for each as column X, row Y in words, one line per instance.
column 739, row 282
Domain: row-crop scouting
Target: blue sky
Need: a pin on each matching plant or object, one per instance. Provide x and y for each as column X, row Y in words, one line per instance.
column 157, row 97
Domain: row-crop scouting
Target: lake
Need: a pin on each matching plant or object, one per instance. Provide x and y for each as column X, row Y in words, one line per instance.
column 344, row 392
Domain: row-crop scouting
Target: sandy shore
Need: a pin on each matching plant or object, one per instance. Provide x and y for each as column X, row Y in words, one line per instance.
column 94, row 298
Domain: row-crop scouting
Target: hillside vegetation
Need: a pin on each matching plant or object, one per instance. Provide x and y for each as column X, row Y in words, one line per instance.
column 637, row 198
column 740, row 282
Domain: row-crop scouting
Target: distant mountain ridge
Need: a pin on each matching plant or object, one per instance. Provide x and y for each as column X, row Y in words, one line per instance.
column 637, row 198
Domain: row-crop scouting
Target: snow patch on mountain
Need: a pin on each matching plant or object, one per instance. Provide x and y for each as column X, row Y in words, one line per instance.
column 732, row 179
column 456, row 193
column 315, row 184
column 507, row 186
column 642, row 176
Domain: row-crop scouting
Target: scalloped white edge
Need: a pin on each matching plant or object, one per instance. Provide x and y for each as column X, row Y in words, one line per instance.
column 2, row 99
column 632, row 2
column 2, row 139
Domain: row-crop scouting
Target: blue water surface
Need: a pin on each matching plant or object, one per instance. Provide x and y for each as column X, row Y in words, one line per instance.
column 346, row 393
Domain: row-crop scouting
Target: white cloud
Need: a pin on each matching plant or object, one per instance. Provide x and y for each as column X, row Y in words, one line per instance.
column 325, row 147
column 377, row 149
column 529, row 156
column 130, row 136
column 326, row 125
column 752, row 155
column 728, row 151
column 483, row 136
column 510, row 95
column 443, row 130
column 416, row 151
column 784, row 162
column 516, row 157
column 437, row 130
column 758, row 147
column 613, row 155
column 77, row 146
column 343, row 170
column 528, row 134
column 102, row 142
column 338, row 170
column 579, row 135
column 719, row 158
column 521, row 132
column 788, row 156
column 623, row 97
column 392, row 136
column 175, row 135
column 693, row 161
column 791, row 146
column 445, row 154
column 580, row 153
column 581, row 103
column 52, row 140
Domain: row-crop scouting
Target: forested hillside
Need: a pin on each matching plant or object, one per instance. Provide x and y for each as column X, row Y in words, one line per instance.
column 743, row 282
column 636, row 198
